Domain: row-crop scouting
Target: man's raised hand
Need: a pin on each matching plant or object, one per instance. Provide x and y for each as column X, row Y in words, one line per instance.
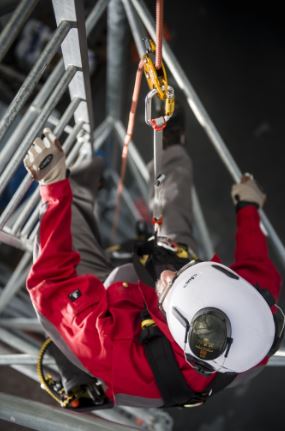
column 45, row 159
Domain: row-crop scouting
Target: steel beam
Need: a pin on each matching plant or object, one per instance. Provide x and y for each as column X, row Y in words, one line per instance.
column 16, row 199
column 116, row 58
column 22, row 324
column 138, row 31
column 25, row 213
column 77, row 136
column 14, row 25
column 137, row 164
column 23, row 359
column 95, row 15
column 72, row 107
column 30, row 116
column 102, row 132
column 41, row 417
column 16, row 281
column 127, row 198
column 26, row 370
column 33, row 78
column 201, row 227
column 37, row 126
column 14, row 340
column 9, row 239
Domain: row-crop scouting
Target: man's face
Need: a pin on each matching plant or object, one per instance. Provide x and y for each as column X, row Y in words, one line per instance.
column 163, row 282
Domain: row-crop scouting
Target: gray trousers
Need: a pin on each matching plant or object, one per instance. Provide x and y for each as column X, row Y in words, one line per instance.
column 176, row 207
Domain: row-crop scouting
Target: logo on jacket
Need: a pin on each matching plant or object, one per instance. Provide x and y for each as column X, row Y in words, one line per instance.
column 74, row 295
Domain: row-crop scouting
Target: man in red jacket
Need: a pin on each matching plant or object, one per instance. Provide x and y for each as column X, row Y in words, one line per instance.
column 204, row 323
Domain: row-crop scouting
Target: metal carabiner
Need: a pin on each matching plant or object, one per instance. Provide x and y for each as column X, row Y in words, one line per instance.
column 159, row 123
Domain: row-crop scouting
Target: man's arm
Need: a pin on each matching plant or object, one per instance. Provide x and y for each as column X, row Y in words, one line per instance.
column 54, row 257
column 68, row 304
column 251, row 253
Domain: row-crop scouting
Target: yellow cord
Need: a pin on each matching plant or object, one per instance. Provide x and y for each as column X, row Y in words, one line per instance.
column 41, row 376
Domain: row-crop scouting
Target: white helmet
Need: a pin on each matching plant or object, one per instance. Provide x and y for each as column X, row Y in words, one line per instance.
column 219, row 319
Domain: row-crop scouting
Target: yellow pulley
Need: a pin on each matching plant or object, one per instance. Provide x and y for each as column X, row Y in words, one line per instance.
column 156, row 78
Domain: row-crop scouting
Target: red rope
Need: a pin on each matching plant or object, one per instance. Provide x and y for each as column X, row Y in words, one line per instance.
column 159, row 33
column 127, row 140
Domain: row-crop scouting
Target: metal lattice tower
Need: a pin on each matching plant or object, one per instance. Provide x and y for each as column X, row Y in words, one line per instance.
column 75, row 126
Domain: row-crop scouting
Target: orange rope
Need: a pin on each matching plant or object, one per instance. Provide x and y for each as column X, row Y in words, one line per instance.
column 159, row 33
column 127, row 140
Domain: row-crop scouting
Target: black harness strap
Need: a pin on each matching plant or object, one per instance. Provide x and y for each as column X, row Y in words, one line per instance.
column 170, row 381
column 221, row 381
column 142, row 273
column 267, row 296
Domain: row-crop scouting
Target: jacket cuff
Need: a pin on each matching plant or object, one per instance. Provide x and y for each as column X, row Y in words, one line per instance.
column 248, row 215
column 242, row 204
column 55, row 190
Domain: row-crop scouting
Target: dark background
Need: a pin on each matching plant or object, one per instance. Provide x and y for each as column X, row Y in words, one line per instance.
column 233, row 55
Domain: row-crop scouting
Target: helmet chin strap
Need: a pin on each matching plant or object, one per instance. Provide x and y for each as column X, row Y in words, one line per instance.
column 222, row 366
column 198, row 366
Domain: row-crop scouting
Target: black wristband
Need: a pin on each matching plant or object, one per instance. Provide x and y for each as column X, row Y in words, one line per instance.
column 242, row 204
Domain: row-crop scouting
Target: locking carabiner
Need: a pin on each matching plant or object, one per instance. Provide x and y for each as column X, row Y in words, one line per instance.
column 159, row 123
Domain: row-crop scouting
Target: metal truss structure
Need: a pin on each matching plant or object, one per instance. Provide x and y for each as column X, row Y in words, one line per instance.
column 19, row 219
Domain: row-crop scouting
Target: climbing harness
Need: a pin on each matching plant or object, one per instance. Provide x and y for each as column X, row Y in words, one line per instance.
column 158, row 124
column 82, row 397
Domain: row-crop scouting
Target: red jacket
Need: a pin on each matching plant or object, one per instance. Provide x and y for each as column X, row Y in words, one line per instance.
column 102, row 327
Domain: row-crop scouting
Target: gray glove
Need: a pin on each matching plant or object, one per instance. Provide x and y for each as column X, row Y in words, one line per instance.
column 45, row 160
column 247, row 192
